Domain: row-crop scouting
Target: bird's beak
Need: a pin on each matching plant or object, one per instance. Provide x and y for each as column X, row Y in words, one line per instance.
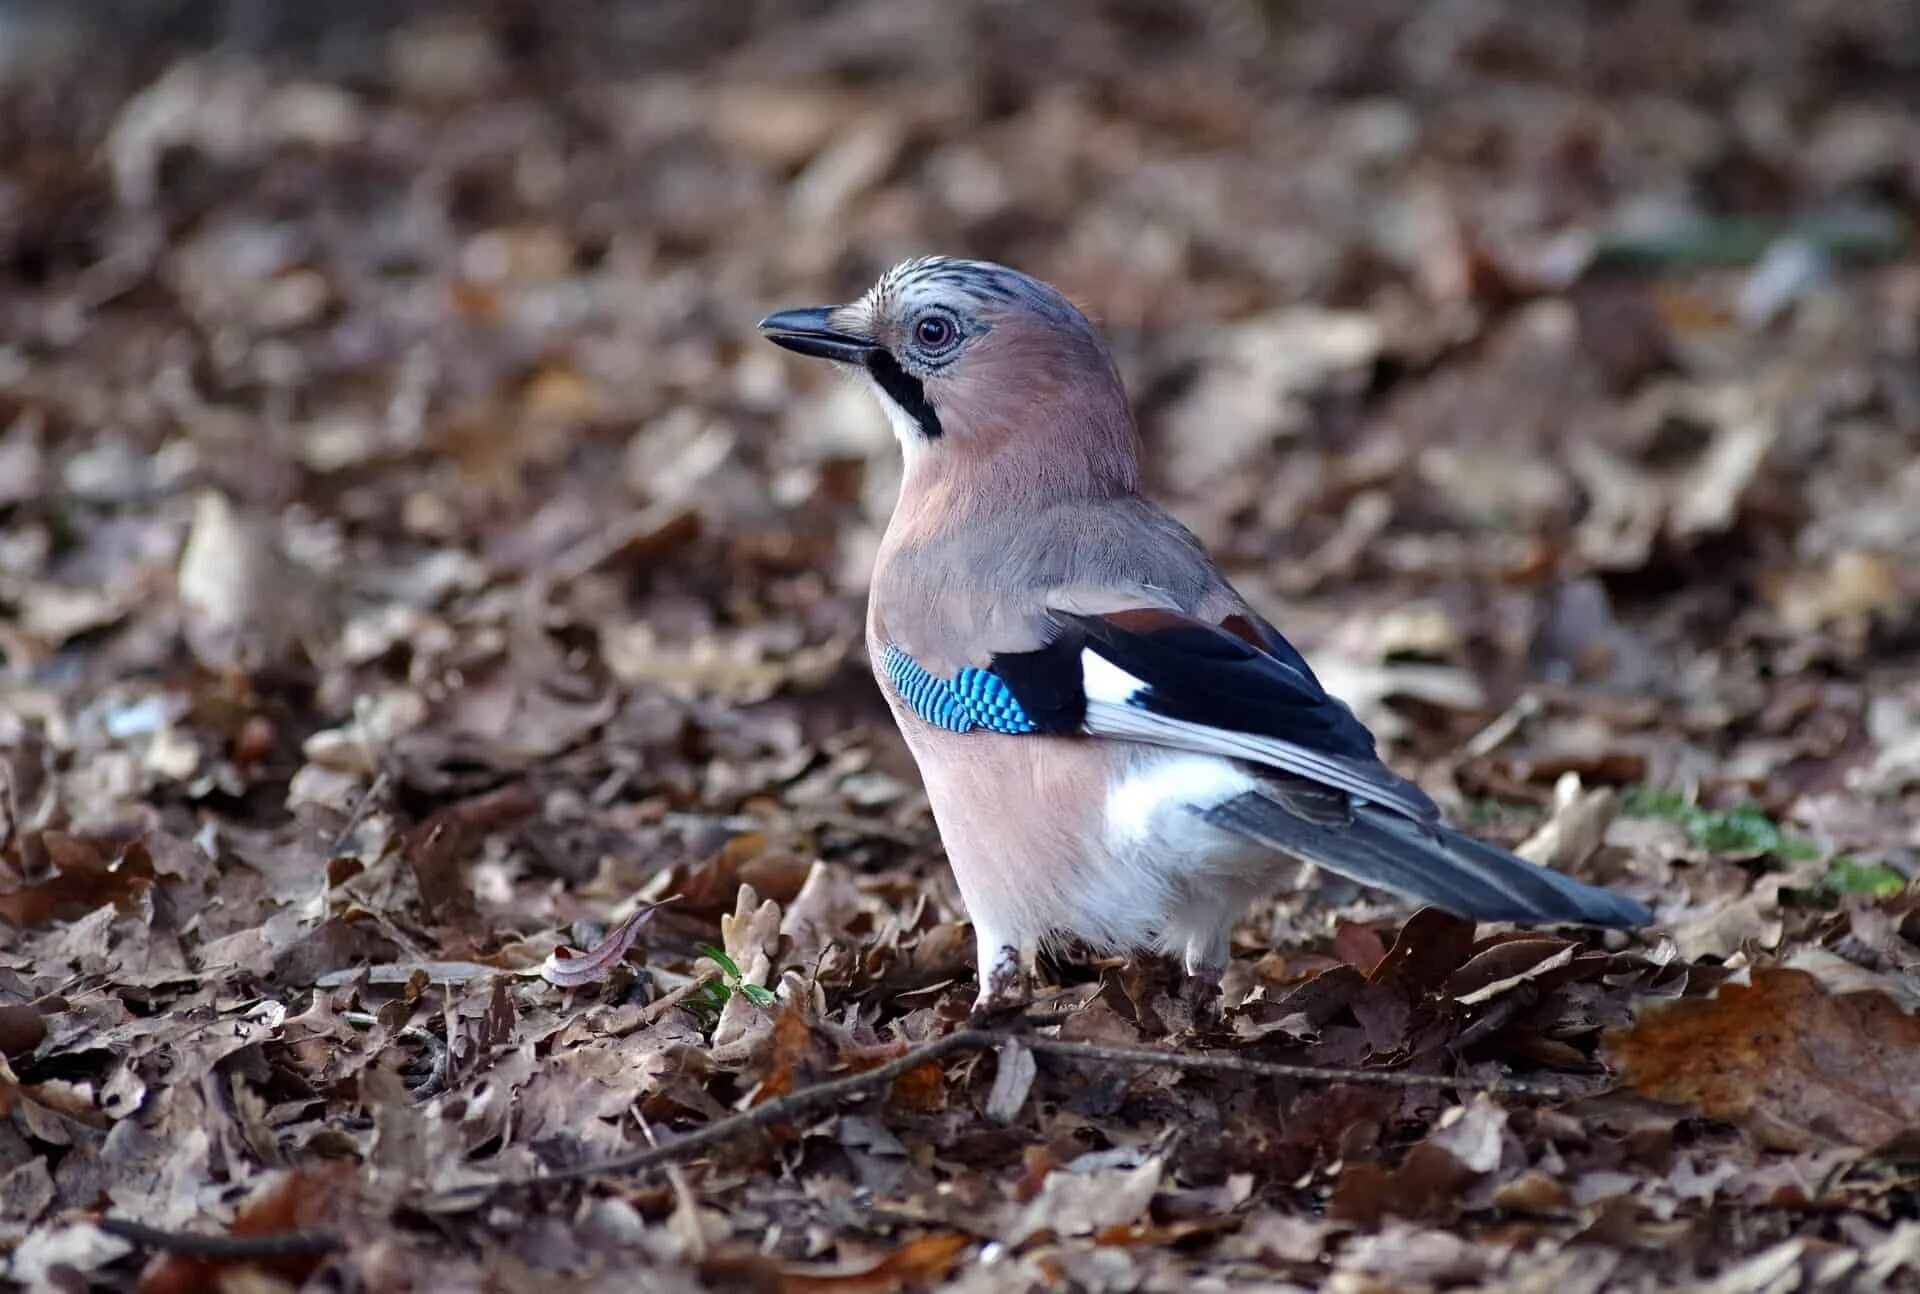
column 811, row 332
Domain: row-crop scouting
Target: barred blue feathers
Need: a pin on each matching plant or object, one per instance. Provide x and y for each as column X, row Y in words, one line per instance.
column 972, row 698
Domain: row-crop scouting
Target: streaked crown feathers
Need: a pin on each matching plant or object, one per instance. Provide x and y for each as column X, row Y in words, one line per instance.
column 983, row 283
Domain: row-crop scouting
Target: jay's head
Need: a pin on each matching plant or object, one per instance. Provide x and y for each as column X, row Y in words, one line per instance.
column 978, row 365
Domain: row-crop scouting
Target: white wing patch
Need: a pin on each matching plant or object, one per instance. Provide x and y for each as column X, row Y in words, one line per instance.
column 1102, row 680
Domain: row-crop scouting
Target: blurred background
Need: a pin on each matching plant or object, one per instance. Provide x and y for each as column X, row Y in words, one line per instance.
column 381, row 406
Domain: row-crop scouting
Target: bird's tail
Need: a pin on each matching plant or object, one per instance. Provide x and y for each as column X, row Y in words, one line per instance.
column 1428, row 863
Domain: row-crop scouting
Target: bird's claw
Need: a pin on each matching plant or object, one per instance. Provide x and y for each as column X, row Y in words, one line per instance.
column 1003, row 987
column 1201, row 1003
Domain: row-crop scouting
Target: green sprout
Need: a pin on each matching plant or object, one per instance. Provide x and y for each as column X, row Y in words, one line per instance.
column 1743, row 829
column 1746, row 829
column 710, row 998
column 1871, row 880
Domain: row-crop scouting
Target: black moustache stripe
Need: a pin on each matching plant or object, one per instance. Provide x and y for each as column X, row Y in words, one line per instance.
column 905, row 390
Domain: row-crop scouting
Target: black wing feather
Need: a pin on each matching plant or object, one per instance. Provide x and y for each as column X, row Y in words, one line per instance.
column 1048, row 683
column 1327, row 798
column 1204, row 687
column 1204, row 674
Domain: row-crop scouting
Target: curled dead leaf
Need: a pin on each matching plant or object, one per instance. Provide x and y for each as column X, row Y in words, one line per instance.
column 565, row 968
column 1576, row 828
column 1474, row 1134
column 1507, row 965
column 77, row 879
column 1429, row 948
column 1079, row 1201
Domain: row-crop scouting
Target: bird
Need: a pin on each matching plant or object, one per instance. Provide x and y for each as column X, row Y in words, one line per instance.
column 1117, row 748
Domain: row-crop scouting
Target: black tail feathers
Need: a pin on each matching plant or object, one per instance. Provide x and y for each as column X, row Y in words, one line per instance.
column 1428, row 863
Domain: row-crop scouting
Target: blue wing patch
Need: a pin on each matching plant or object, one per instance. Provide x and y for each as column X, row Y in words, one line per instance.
column 972, row 698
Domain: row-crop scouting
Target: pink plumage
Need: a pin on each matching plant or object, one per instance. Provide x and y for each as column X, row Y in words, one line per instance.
column 1117, row 748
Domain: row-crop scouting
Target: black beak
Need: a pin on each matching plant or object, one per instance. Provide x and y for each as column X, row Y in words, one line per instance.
column 811, row 332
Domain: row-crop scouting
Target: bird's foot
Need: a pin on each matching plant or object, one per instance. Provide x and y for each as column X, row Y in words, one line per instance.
column 1004, row 987
column 1200, row 1001
column 987, row 1011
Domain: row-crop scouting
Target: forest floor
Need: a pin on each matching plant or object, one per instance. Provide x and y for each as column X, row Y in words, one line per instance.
column 414, row 570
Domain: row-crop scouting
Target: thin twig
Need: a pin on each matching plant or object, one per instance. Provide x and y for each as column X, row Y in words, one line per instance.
column 199, row 1244
column 374, row 789
column 782, row 1109
column 1228, row 1063
column 778, row 1110
column 1497, row 733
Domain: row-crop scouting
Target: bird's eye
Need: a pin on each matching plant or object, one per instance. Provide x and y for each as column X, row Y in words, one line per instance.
column 935, row 333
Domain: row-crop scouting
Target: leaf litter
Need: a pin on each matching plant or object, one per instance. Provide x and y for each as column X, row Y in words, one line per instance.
column 436, row 752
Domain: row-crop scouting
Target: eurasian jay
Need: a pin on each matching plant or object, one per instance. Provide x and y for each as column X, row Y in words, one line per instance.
column 1117, row 748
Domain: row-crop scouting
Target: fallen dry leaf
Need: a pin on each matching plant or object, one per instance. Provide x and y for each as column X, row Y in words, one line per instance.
column 82, row 878
column 1796, row 1067
column 1577, row 826
column 1854, row 585
column 410, row 556
column 567, row 969
column 789, row 1043
column 245, row 605
column 1470, row 1141
column 1088, row 1196
column 300, row 1201
column 922, row 1262
column 1012, row 1080
column 21, row 1029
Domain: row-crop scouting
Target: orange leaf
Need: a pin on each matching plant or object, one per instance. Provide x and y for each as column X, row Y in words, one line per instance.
column 791, row 1039
column 1797, row 1068
column 922, row 1088
column 920, row 1262
column 300, row 1200
column 79, row 880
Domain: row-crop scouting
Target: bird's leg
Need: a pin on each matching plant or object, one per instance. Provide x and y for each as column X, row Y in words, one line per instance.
column 1205, row 961
column 1206, row 955
column 1003, row 979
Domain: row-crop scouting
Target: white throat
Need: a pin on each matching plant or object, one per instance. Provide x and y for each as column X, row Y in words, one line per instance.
column 913, row 441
